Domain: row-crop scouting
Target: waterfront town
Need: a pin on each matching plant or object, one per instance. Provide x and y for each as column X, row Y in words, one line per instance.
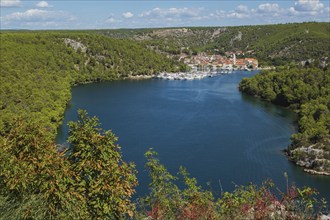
column 205, row 63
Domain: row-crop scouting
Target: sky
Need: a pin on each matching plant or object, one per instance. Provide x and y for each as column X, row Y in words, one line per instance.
column 113, row 14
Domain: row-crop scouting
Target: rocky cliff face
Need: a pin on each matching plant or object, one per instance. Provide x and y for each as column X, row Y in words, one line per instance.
column 315, row 159
column 75, row 44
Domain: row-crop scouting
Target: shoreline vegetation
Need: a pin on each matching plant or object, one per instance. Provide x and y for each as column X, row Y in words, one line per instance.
column 38, row 69
column 305, row 90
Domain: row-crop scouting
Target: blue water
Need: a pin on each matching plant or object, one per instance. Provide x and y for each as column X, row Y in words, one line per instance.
column 205, row 125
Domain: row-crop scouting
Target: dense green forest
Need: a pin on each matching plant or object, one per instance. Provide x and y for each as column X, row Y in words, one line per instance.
column 90, row 180
column 306, row 90
column 38, row 69
column 271, row 44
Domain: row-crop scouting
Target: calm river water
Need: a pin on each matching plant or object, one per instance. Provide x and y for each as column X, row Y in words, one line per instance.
column 205, row 125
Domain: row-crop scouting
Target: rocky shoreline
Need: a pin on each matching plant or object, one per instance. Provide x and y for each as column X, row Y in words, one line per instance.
column 314, row 172
column 311, row 158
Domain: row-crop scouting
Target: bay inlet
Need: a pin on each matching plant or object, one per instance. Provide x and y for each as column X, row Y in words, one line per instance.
column 205, row 125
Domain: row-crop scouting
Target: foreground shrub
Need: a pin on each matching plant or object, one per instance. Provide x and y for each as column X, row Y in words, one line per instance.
column 167, row 201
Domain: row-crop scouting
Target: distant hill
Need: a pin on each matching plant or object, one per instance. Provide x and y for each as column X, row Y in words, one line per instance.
column 271, row 44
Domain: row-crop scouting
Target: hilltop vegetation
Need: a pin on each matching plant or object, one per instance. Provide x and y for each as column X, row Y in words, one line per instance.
column 308, row 92
column 270, row 44
column 38, row 69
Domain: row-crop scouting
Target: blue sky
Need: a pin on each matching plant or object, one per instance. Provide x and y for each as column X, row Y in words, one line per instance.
column 109, row 14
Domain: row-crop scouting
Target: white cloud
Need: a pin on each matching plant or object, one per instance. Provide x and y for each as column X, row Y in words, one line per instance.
column 241, row 11
column 112, row 19
column 237, row 15
column 292, row 12
column 43, row 4
column 37, row 15
column 36, row 18
column 308, row 5
column 128, row 14
column 10, row 3
column 264, row 13
column 172, row 13
column 327, row 10
column 304, row 8
column 218, row 14
column 173, row 17
column 31, row 14
column 268, row 8
column 269, row 11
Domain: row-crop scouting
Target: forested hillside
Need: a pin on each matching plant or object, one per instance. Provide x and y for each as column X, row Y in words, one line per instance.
column 38, row 69
column 306, row 90
column 271, row 44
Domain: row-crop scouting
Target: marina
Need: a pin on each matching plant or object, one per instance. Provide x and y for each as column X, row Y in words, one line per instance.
column 191, row 75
